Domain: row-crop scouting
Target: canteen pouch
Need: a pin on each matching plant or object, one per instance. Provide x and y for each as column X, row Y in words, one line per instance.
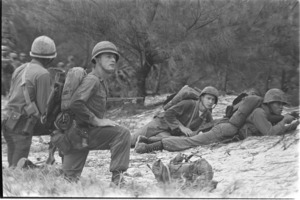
column 31, row 109
column 12, row 120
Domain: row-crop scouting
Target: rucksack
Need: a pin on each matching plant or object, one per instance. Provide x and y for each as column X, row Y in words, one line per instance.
column 74, row 77
column 185, row 93
column 59, row 100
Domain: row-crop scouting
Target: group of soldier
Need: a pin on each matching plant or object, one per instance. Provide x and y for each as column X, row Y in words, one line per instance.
column 10, row 60
column 175, row 129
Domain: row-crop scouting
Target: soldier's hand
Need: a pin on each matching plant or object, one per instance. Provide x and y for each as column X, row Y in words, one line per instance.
column 188, row 132
column 288, row 118
column 293, row 125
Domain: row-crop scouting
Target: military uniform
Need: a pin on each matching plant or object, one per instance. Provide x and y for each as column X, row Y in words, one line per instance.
column 38, row 84
column 167, row 123
column 89, row 101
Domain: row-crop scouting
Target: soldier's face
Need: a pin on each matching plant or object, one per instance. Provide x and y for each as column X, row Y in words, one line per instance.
column 208, row 100
column 108, row 62
column 276, row 107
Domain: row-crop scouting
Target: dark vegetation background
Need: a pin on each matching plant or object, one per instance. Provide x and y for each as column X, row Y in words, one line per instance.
column 165, row 44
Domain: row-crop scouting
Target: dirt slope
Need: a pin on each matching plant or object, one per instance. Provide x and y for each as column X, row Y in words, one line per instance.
column 256, row 167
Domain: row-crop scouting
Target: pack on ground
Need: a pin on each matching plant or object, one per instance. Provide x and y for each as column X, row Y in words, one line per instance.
column 73, row 79
column 198, row 173
column 184, row 93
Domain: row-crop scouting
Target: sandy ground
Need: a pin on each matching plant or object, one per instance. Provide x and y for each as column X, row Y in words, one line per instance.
column 258, row 167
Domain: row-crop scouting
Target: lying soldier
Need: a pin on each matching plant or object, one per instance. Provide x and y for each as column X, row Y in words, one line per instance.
column 253, row 112
column 182, row 119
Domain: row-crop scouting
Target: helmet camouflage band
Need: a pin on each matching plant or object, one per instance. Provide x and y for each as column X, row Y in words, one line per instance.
column 210, row 90
column 104, row 47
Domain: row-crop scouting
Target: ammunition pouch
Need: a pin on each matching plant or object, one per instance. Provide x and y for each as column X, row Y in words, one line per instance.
column 12, row 120
column 75, row 138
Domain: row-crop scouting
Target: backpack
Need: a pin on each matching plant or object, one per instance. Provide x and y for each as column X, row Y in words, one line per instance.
column 184, row 93
column 74, row 77
column 59, row 100
column 198, row 173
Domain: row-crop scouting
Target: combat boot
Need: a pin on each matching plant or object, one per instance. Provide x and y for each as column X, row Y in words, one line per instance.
column 117, row 179
column 147, row 148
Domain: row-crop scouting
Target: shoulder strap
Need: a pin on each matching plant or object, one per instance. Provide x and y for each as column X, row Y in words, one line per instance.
column 197, row 105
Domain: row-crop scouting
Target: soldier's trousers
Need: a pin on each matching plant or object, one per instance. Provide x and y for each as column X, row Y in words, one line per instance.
column 18, row 146
column 116, row 139
column 216, row 134
column 153, row 128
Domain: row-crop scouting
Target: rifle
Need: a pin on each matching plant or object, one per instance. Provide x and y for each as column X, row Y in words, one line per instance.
column 274, row 119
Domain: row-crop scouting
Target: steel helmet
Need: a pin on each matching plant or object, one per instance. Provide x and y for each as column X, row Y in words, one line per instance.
column 43, row 47
column 104, row 47
column 275, row 94
column 5, row 48
column 210, row 90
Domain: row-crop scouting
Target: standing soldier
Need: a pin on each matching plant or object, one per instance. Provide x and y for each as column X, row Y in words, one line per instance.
column 70, row 64
column 6, row 70
column 22, row 58
column 14, row 60
column 28, row 96
column 88, row 103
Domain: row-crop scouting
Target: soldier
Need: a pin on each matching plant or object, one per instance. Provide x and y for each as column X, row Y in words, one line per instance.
column 88, row 103
column 14, row 60
column 7, row 70
column 71, row 63
column 254, row 112
column 22, row 58
column 61, row 65
column 182, row 119
column 27, row 101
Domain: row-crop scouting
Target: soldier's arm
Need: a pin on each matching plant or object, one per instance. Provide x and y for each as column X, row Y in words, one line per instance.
column 79, row 99
column 43, row 90
column 172, row 114
column 264, row 126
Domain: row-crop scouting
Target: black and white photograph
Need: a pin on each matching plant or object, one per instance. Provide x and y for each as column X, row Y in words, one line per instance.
column 150, row 99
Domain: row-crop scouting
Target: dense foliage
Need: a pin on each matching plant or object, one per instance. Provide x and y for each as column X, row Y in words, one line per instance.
column 165, row 44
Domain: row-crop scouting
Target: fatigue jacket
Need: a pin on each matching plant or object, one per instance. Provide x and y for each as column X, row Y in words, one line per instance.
column 38, row 85
column 89, row 100
column 260, row 125
column 181, row 113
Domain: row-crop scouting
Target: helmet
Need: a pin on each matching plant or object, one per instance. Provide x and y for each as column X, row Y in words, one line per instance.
column 275, row 95
column 60, row 64
column 104, row 47
column 23, row 54
column 210, row 90
column 43, row 47
column 5, row 48
column 13, row 55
